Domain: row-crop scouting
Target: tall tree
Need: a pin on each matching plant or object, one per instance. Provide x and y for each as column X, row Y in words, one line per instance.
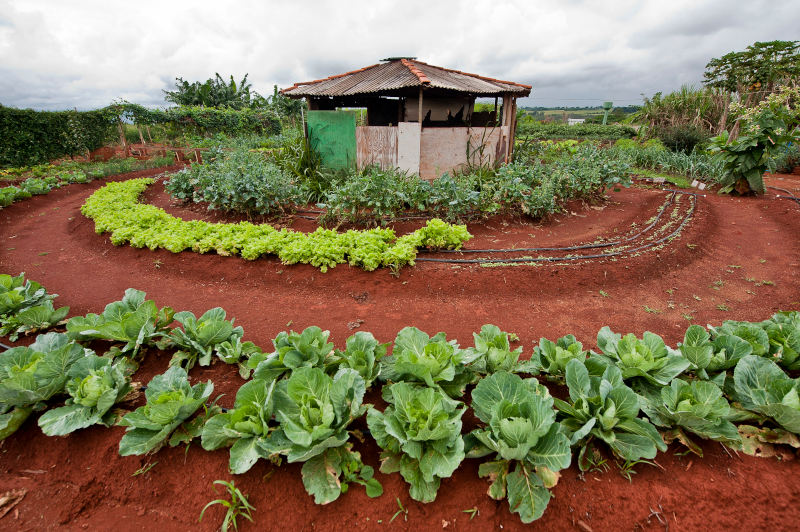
column 756, row 71
column 215, row 92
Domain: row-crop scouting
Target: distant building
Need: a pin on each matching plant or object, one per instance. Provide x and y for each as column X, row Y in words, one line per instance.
column 573, row 121
column 420, row 117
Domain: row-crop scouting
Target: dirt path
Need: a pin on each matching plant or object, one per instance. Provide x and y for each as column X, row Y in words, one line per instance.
column 739, row 254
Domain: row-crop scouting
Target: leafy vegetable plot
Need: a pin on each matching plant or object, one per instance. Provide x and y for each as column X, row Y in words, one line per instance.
column 171, row 400
column 420, row 434
column 133, row 320
column 17, row 295
column 95, row 384
column 314, row 411
column 492, row 352
column 522, row 432
column 362, row 353
column 552, row 357
column 603, row 407
column 308, row 349
column 31, row 375
column 32, row 319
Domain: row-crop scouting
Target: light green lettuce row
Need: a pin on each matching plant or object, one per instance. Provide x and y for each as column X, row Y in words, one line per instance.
column 115, row 208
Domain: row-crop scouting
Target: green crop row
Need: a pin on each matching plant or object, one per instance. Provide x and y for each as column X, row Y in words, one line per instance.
column 115, row 208
column 727, row 384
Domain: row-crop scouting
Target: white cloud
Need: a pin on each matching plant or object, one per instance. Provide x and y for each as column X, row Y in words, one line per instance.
column 66, row 54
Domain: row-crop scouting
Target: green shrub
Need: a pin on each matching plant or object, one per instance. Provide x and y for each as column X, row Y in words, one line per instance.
column 682, row 138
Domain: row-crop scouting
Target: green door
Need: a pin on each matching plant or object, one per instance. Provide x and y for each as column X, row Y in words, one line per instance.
column 332, row 135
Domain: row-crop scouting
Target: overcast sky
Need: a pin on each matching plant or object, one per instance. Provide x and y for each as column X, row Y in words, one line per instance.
column 85, row 54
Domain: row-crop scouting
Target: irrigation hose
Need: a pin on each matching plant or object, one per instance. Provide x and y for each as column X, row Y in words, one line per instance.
column 791, row 195
column 649, row 245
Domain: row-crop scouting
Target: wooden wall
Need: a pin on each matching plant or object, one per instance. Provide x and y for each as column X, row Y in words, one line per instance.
column 376, row 145
column 443, row 149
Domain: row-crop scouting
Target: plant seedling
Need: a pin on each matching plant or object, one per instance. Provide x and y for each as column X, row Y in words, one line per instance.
column 144, row 469
column 723, row 307
column 627, row 471
column 472, row 512
column 402, row 510
column 604, row 293
column 651, row 310
column 237, row 506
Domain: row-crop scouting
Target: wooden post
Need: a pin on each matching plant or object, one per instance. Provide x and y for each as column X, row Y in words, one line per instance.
column 419, row 114
column 141, row 137
column 149, row 136
column 496, row 122
column 512, row 129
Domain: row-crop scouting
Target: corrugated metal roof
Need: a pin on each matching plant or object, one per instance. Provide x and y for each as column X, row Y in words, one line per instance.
column 404, row 73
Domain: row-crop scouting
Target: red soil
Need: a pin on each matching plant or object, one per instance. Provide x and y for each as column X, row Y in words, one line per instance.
column 721, row 259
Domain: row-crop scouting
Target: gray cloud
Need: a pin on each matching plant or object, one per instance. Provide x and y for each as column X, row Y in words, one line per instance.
column 57, row 55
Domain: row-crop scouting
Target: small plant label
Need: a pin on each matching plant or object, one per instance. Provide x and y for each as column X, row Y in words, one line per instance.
column 701, row 186
column 659, row 179
column 695, row 183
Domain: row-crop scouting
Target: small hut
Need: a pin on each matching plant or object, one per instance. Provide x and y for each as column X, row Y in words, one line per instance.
column 420, row 118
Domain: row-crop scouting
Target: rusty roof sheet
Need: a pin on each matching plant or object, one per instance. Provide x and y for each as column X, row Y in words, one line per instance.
column 404, row 73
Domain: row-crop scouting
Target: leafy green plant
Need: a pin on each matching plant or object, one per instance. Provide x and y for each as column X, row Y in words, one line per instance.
column 521, row 430
column 235, row 507
column 762, row 387
column 434, row 361
column 314, row 411
column 95, row 384
column 420, row 434
column 492, row 352
column 201, row 337
column 696, row 406
column 362, row 353
column 18, row 294
column 603, row 407
column 171, row 400
column 552, row 357
column 32, row 319
column 31, row 375
column 133, row 320
column 245, row 428
column 293, row 350
column 648, row 358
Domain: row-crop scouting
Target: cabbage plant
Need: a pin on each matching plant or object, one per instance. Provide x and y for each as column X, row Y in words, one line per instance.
column 293, row 350
column 783, row 331
column 420, row 434
column 492, row 352
column 31, row 319
column 171, row 400
column 362, row 353
column 604, row 407
column 710, row 359
column 763, row 387
column 94, row 385
column 31, row 375
column 134, row 321
column 245, row 428
column 314, row 411
column 552, row 357
column 697, row 406
column 528, row 444
column 432, row 361
column 201, row 337
column 18, row 293
column 647, row 358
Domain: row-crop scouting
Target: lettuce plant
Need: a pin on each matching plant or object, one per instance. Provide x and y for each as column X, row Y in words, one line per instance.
column 521, row 429
column 244, row 428
column 362, row 353
column 429, row 360
column 314, row 411
column 420, row 434
column 171, row 400
column 292, row 351
column 647, row 358
column 552, row 357
column 94, row 385
column 31, row 375
column 603, row 407
column 696, row 406
column 201, row 337
column 492, row 352
column 133, row 320
column 763, row 387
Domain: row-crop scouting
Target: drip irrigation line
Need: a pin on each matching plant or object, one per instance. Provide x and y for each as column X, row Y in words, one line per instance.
column 578, row 257
column 6, row 347
column 791, row 195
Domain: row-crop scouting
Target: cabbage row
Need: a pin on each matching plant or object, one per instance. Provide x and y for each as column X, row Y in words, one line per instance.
column 115, row 208
column 729, row 384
